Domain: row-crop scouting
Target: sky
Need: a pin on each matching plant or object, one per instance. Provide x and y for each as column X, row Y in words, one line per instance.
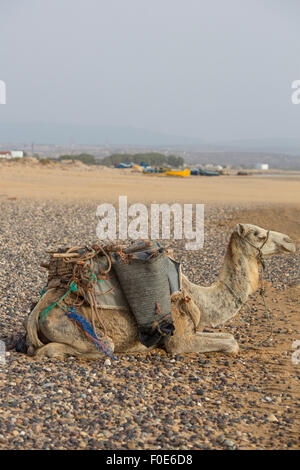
column 211, row 70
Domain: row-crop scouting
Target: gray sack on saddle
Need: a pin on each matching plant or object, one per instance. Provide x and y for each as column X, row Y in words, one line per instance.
column 145, row 282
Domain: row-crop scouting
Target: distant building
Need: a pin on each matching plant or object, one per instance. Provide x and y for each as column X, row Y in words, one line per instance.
column 262, row 166
column 5, row 155
column 12, row 154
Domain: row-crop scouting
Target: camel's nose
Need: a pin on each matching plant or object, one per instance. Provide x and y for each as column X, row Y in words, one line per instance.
column 289, row 245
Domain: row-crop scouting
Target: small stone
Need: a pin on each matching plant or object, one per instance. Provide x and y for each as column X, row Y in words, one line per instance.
column 37, row 428
column 49, row 385
column 272, row 418
column 228, row 443
column 107, row 362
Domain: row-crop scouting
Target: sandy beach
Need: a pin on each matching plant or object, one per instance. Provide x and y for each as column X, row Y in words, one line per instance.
column 150, row 401
column 105, row 184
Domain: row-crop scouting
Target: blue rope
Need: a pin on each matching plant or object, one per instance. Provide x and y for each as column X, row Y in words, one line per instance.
column 86, row 326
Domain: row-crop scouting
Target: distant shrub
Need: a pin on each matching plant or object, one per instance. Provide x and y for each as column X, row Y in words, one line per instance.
column 83, row 157
column 45, row 161
column 150, row 158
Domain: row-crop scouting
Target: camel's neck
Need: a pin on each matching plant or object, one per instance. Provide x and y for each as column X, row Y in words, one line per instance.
column 237, row 280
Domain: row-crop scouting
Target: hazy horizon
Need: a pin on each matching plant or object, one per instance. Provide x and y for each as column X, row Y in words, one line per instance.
column 193, row 71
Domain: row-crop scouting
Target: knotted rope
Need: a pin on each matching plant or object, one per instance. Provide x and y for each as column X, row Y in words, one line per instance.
column 82, row 283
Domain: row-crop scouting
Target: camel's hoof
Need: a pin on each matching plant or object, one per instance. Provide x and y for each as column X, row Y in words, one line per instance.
column 233, row 349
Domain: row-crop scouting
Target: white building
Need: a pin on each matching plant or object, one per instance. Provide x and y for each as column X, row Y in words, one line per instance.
column 17, row 154
column 12, row 154
column 262, row 166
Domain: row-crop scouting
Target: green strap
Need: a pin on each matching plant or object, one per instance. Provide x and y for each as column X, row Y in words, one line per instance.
column 95, row 278
column 43, row 291
column 73, row 288
column 44, row 313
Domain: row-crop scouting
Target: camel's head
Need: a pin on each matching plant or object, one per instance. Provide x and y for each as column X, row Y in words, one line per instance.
column 266, row 242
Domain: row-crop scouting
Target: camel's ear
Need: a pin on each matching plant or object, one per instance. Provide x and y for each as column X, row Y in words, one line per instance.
column 241, row 230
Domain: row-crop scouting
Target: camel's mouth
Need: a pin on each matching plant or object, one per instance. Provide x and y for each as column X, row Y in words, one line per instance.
column 287, row 246
column 278, row 243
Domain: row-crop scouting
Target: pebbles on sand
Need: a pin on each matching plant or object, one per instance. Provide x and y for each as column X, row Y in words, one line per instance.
column 151, row 401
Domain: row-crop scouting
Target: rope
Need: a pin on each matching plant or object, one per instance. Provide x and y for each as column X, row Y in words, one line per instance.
column 42, row 292
column 89, row 330
column 83, row 281
column 44, row 313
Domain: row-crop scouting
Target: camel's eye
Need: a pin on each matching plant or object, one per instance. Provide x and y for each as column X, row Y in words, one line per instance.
column 256, row 233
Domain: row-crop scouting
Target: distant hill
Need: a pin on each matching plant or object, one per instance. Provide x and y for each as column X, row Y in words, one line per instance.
column 245, row 159
column 276, row 145
column 64, row 134
column 278, row 152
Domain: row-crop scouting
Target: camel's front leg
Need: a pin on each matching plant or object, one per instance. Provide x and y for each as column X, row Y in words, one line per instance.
column 61, row 350
column 202, row 343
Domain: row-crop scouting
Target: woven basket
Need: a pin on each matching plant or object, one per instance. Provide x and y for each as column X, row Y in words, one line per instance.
column 58, row 268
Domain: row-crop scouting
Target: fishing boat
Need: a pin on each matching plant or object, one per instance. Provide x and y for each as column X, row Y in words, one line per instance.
column 182, row 173
column 123, row 165
column 155, row 171
column 208, row 172
column 138, row 167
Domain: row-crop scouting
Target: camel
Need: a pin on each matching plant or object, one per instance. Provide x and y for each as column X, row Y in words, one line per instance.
column 194, row 309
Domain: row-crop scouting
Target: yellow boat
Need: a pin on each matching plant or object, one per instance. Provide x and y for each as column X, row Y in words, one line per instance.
column 183, row 173
column 138, row 167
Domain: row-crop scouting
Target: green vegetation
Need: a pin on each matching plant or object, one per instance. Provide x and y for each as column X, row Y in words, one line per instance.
column 151, row 158
column 45, row 161
column 83, row 157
